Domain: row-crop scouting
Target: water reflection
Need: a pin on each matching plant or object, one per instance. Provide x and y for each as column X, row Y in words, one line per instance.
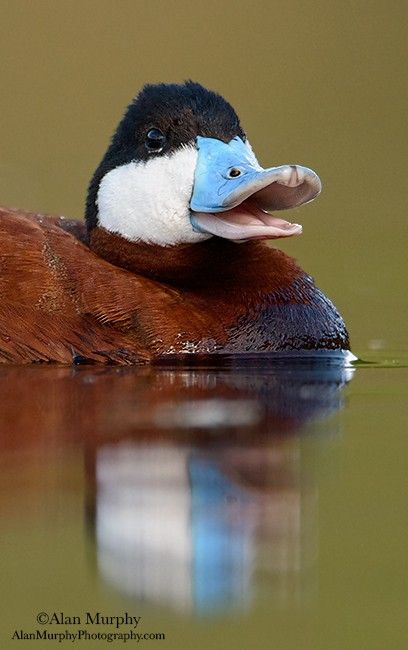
column 203, row 488
column 198, row 496
column 184, row 528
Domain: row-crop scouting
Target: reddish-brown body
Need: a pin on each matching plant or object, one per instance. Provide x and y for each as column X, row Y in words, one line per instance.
column 120, row 302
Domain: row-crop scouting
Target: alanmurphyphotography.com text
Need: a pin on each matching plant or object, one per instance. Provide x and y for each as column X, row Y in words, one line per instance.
column 123, row 624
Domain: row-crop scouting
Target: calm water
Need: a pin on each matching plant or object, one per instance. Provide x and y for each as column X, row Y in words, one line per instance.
column 230, row 507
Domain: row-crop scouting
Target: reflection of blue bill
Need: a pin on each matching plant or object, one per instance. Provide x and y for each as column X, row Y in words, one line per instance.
column 221, row 537
column 175, row 520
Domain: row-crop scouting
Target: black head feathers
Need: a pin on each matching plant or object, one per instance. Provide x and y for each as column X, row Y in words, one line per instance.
column 180, row 112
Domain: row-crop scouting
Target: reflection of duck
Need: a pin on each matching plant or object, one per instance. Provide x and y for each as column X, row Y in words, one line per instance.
column 161, row 273
column 187, row 503
column 173, row 528
column 250, row 400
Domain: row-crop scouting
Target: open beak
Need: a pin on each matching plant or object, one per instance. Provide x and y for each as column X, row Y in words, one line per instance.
column 233, row 196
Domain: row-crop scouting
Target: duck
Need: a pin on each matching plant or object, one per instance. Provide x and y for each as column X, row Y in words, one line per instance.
column 173, row 258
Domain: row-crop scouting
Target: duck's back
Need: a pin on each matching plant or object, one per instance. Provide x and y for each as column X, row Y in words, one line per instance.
column 295, row 318
column 57, row 297
column 61, row 302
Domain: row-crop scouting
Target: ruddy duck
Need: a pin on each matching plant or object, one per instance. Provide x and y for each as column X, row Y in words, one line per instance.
column 171, row 260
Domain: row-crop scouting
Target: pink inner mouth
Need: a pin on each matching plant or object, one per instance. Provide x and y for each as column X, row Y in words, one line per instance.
column 246, row 221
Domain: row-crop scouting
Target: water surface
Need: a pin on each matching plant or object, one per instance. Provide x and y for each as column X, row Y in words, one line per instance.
column 258, row 506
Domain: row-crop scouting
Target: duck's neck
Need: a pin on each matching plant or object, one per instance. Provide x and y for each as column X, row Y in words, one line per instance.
column 212, row 264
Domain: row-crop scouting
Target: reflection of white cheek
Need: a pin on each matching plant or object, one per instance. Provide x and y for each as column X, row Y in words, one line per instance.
column 166, row 531
column 143, row 522
column 149, row 201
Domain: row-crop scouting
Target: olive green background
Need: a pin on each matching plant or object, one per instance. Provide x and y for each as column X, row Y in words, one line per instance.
column 320, row 83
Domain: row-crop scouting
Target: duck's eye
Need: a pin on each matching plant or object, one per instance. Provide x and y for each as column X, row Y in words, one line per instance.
column 155, row 141
column 234, row 172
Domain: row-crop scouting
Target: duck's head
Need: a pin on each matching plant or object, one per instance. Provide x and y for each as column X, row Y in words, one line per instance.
column 180, row 170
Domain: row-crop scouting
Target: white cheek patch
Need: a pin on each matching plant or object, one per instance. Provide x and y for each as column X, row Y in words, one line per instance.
column 149, row 201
